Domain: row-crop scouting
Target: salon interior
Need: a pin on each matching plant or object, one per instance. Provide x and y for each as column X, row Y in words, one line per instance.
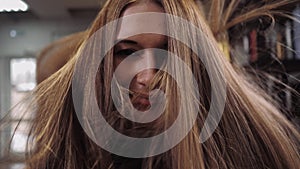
column 28, row 26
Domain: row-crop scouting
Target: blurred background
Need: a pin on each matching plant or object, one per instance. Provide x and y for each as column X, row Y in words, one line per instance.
column 27, row 26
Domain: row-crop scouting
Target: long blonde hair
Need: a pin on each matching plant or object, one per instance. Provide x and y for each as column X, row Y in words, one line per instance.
column 251, row 134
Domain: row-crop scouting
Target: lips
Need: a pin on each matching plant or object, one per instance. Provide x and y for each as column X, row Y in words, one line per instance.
column 143, row 101
column 140, row 101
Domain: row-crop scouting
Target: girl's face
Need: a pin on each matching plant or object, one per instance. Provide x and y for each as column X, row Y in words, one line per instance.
column 146, row 57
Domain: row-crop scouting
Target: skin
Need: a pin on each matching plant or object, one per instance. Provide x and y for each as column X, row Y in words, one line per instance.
column 142, row 50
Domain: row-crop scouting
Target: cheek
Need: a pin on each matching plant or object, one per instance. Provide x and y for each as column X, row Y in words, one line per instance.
column 124, row 72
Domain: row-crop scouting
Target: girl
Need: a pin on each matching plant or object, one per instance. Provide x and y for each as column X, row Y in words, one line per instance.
column 251, row 134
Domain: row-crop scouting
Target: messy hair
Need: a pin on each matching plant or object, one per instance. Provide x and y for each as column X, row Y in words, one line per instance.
column 252, row 132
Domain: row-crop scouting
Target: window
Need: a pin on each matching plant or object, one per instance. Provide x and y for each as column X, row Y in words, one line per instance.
column 17, row 80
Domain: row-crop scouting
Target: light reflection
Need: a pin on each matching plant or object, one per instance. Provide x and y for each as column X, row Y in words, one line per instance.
column 13, row 6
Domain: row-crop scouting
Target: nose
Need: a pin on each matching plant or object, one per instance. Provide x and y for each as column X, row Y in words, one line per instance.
column 145, row 77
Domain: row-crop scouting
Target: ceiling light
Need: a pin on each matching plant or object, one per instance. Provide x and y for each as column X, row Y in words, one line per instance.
column 13, row 33
column 13, row 6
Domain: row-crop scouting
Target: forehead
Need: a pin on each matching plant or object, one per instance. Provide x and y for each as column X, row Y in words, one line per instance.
column 139, row 22
column 140, row 7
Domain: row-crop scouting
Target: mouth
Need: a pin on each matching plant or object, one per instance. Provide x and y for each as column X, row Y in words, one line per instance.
column 140, row 101
column 143, row 101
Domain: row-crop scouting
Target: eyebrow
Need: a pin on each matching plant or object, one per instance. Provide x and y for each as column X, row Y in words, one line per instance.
column 118, row 41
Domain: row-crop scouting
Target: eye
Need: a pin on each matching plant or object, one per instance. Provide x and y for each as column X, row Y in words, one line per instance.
column 125, row 52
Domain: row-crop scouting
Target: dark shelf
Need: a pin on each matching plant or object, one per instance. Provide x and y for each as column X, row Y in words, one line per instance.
column 291, row 65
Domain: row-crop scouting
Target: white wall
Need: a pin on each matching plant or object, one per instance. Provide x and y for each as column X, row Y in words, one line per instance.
column 33, row 35
column 4, row 101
